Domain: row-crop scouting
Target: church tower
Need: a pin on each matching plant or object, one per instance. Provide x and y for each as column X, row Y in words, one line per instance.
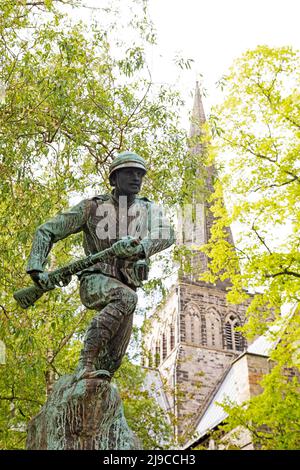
column 192, row 338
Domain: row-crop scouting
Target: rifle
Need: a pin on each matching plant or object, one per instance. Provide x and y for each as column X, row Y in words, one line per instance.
column 27, row 296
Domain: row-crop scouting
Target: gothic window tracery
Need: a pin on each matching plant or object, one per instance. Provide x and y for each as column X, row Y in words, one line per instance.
column 150, row 361
column 172, row 337
column 213, row 329
column 164, row 346
column 157, row 354
column 193, row 331
column 233, row 338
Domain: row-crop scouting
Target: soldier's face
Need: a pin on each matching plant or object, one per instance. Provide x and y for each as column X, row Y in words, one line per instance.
column 129, row 180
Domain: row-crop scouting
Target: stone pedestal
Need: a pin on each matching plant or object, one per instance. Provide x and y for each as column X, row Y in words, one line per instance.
column 84, row 415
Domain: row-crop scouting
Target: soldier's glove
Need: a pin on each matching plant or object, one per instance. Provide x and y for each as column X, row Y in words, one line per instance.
column 128, row 247
column 35, row 276
column 41, row 279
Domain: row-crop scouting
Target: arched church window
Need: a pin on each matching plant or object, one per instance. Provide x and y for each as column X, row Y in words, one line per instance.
column 172, row 337
column 238, row 340
column 188, row 327
column 157, row 354
column 233, row 338
column 203, row 334
column 192, row 320
column 164, row 346
column 213, row 329
column 228, row 335
column 192, row 324
column 150, row 362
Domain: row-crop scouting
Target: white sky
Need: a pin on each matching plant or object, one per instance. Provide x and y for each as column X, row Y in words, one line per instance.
column 214, row 33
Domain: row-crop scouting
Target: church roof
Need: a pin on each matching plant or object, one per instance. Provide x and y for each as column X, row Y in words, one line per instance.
column 230, row 387
column 261, row 346
column 228, row 390
column 154, row 385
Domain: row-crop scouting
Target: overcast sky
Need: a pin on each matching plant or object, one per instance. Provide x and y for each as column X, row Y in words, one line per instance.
column 214, row 33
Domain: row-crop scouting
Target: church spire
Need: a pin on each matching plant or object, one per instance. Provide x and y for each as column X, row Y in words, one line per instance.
column 198, row 115
column 199, row 232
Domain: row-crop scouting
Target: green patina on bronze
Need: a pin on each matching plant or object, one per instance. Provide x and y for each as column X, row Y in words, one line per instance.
column 61, row 277
column 84, row 415
column 115, row 266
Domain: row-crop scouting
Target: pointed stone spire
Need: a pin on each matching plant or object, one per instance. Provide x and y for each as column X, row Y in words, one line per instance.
column 198, row 115
column 200, row 230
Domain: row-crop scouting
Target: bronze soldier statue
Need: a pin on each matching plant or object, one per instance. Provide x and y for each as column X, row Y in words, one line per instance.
column 108, row 287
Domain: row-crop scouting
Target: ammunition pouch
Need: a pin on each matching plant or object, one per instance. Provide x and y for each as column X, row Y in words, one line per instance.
column 141, row 270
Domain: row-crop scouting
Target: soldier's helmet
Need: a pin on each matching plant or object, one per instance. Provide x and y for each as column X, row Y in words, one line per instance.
column 127, row 160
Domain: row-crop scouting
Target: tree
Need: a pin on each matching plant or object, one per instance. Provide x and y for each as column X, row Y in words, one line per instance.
column 69, row 102
column 142, row 413
column 257, row 131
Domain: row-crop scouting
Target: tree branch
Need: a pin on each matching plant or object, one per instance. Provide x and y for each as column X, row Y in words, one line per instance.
column 296, row 178
column 260, row 238
column 4, row 311
column 67, row 338
column 12, row 398
column 285, row 272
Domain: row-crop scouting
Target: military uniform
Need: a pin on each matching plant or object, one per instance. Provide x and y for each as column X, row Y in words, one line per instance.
column 108, row 287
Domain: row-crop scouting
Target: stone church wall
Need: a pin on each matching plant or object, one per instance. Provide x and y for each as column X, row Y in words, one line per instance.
column 199, row 371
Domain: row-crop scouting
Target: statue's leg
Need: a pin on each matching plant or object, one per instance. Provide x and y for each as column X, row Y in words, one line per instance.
column 117, row 347
column 108, row 334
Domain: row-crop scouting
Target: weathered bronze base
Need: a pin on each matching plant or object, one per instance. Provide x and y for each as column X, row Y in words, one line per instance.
column 83, row 415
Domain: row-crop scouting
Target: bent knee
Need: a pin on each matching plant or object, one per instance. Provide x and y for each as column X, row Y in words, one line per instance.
column 130, row 298
column 126, row 299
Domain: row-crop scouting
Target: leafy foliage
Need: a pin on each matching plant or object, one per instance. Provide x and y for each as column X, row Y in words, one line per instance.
column 69, row 102
column 257, row 130
column 142, row 414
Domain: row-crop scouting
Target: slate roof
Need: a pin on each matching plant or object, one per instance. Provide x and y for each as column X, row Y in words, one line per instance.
column 229, row 388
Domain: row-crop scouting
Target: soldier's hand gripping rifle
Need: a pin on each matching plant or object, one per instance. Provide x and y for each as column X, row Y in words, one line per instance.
column 29, row 295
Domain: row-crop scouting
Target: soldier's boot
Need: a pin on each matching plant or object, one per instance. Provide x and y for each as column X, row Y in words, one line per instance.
column 100, row 332
column 86, row 369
